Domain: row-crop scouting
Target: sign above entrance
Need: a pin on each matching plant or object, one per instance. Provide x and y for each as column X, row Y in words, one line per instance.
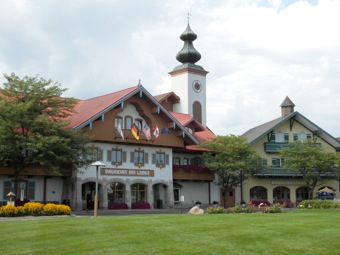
column 126, row 172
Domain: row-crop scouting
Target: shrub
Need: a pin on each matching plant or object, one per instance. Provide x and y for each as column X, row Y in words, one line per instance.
column 275, row 208
column 22, row 211
column 319, row 204
column 215, row 210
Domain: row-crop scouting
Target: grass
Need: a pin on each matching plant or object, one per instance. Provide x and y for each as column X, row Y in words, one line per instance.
column 294, row 232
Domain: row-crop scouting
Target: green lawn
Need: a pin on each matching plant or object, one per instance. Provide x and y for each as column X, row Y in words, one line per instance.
column 294, row 232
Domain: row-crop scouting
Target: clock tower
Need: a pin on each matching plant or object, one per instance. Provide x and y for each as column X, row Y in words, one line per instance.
column 188, row 80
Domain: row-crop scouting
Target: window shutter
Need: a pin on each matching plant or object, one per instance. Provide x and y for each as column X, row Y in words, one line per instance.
column 124, row 156
column 167, row 159
column 146, row 158
column 153, row 158
column 132, row 157
column 109, row 155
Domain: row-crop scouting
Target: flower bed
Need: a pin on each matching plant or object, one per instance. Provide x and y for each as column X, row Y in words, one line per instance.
column 117, row 206
column 34, row 209
column 258, row 203
column 141, row 205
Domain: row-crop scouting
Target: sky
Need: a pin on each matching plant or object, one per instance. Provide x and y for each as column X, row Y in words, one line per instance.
column 257, row 52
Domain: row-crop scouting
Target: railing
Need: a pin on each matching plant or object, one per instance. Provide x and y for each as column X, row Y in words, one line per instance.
column 191, row 168
column 276, row 147
column 277, row 171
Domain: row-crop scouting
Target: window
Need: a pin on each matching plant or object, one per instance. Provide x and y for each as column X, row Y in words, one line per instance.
column 185, row 161
column 160, row 159
column 128, row 122
column 280, row 138
column 31, row 191
column 118, row 122
column 138, row 193
column 262, row 162
column 116, row 156
column 302, row 137
column 302, row 194
column 95, row 154
column 139, row 157
column 259, row 193
column 177, row 161
column 139, row 124
column 177, row 195
column 278, row 162
column 7, row 188
column 116, row 192
column 281, row 193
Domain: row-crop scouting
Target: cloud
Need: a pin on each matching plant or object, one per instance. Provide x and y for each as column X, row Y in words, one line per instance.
column 256, row 52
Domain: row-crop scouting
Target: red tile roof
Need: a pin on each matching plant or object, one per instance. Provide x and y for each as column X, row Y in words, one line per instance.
column 87, row 109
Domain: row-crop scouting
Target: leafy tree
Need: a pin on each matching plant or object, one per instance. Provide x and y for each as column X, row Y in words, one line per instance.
column 34, row 129
column 309, row 160
column 232, row 159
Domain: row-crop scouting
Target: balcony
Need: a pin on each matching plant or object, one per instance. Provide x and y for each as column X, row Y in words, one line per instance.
column 277, row 171
column 192, row 173
column 272, row 147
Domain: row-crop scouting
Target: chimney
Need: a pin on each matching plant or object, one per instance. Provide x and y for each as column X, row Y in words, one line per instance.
column 287, row 107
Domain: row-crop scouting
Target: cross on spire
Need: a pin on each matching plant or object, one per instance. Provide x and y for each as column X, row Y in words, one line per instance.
column 189, row 17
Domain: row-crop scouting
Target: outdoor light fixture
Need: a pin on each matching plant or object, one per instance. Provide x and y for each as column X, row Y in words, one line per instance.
column 97, row 164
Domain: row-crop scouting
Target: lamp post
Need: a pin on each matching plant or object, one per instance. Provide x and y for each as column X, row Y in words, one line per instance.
column 97, row 164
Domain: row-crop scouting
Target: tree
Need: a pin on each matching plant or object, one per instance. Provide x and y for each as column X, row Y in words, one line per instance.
column 34, row 128
column 232, row 159
column 309, row 160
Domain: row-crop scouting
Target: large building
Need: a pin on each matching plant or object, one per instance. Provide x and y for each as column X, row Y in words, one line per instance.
column 147, row 143
column 273, row 182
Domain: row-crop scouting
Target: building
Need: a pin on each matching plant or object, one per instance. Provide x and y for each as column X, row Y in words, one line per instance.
column 275, row 183
column 147, row 143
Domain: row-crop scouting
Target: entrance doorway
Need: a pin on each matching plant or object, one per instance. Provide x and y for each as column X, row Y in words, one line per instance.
column 230, row 198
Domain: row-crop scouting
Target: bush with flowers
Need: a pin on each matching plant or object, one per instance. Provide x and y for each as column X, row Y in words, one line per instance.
column 215, row 210
column 319, row 204
column 34, row 209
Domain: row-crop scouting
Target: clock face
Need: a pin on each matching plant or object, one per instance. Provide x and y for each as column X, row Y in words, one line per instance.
column 197, row 86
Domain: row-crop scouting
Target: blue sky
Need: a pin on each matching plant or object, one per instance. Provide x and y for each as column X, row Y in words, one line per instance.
column 257, row 52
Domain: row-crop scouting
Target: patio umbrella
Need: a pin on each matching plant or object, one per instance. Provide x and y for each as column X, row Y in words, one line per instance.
column 327, row 190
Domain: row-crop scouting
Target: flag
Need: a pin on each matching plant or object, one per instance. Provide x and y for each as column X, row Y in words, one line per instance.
column 165, row 130
column 134, row 131
column 147, row 132
column 120, row 131
column 155, row 132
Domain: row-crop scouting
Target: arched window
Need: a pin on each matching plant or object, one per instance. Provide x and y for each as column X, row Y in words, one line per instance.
column 116, row 192
column 258, row 193
column 281, row 193
column 128, row 122
column 118, row 122
column 302, row 194
column 197, row 111
column 138, row 193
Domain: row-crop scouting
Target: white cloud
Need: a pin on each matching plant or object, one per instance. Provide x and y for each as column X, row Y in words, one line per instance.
column 257, row 52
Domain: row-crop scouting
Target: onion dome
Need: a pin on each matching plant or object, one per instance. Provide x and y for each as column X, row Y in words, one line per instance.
column 188, row 53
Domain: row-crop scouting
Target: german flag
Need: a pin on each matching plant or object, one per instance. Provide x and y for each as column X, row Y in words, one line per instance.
column 134, row 131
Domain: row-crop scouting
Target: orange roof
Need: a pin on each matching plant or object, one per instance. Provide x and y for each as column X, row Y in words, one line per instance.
column 90, row 109
column 170, row 95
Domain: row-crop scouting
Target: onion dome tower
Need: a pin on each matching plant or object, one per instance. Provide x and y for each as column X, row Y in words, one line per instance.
column 188, row 80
